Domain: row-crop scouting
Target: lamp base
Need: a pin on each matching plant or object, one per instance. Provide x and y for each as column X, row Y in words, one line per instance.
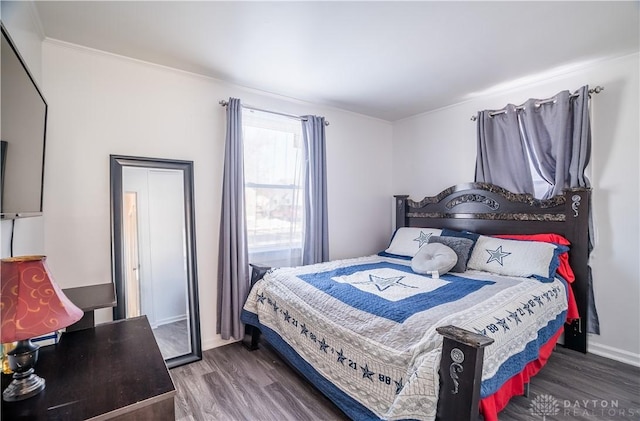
column 25, row 383
column 24, row 388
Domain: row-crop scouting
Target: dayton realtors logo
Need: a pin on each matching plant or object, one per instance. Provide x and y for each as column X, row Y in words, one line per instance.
column 544, row 405
column 547, row 405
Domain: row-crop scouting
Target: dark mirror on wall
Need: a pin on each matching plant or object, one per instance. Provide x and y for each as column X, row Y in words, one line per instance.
column 153, row 251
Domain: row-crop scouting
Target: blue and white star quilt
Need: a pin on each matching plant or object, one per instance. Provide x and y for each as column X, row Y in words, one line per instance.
column 363, row 330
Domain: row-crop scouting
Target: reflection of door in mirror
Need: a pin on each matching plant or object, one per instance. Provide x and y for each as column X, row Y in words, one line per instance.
column 155, row 260
column 132, row 264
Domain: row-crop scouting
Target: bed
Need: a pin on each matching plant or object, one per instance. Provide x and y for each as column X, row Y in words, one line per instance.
column 384, row 342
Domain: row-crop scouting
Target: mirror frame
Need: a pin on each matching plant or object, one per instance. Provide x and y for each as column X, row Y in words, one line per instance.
column 117, row 162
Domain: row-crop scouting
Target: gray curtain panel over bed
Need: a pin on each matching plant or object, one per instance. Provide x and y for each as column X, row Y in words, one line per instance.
column 316, row 227
column 551, row 137
column 559, row 136
column 500, row 160
column 233, row 259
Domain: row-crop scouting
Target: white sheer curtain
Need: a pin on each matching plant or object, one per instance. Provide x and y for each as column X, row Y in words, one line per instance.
column 274, row 190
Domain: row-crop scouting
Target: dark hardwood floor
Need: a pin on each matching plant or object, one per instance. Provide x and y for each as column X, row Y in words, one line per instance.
column 231, row 383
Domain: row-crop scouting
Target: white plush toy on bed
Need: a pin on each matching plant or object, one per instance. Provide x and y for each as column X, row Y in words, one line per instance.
column 435, row 259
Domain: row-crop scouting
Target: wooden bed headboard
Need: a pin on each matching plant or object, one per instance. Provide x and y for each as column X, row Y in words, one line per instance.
column 488, row 209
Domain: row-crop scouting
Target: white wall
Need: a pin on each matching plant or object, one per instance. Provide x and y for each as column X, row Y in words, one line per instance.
column 23, row 24
column 435, row 150
column 103, row 104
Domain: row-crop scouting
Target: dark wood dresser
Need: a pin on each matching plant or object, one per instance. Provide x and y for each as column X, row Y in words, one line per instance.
column 114, row 371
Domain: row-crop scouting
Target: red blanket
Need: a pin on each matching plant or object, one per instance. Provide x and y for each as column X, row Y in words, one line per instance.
column 491, row 405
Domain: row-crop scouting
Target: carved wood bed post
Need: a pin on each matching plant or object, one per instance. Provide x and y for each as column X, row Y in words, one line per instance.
column 577, row 205
column 460, row 374
column 251, row 333
column 401, row 210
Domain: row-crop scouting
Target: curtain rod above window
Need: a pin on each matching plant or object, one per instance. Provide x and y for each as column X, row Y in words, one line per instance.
column 595, row 90
column 297, row 117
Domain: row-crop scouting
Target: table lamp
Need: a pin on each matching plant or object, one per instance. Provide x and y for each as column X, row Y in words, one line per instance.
column 31, row 304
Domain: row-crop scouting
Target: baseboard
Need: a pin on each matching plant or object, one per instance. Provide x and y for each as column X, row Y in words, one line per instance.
column 168, row 320
column 172, row 319
column 215, row 342
column 614, row 353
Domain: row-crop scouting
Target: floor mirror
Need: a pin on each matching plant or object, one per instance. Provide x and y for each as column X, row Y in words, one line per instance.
column 154, row 253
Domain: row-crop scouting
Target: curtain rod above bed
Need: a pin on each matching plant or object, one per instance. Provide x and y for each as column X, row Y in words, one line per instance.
column 248, row 107
column 595, row 90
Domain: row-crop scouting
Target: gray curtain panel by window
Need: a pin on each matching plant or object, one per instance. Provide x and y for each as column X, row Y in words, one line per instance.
column 233, row 260
column 316, row 231
column 501, row 160
column 557, row 135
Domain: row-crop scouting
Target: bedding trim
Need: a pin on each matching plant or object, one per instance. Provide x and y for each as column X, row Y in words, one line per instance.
column 348, row 405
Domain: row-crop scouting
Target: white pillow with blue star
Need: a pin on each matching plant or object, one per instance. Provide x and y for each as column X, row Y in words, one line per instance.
column 407, row 241
column 515, row 257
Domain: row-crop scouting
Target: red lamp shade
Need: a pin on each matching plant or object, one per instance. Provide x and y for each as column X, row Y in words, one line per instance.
column 31, row 303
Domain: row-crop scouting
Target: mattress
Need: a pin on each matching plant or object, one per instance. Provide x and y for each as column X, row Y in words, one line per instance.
column 363, row 330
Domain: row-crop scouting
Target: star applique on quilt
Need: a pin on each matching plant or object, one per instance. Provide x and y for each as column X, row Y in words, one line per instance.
column 366, row 372
column 399, row 386
column 384, row 283
column 514, row 316
column 323, row 345
column 497, row 255
column 287, row 316
column 422, row 239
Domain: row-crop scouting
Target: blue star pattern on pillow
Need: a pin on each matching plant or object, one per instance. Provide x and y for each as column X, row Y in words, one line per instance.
column 423, row 238
column 407, row 241
column 497, row 255
column 523, row 258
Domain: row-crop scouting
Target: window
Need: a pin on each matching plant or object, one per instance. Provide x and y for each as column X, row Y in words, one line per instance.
column 274, row 193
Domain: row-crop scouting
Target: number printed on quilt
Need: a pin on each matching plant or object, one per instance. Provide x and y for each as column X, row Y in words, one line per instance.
column 384, row 379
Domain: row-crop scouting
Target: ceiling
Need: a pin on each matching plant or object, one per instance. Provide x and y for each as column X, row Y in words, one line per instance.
column 388, row 60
